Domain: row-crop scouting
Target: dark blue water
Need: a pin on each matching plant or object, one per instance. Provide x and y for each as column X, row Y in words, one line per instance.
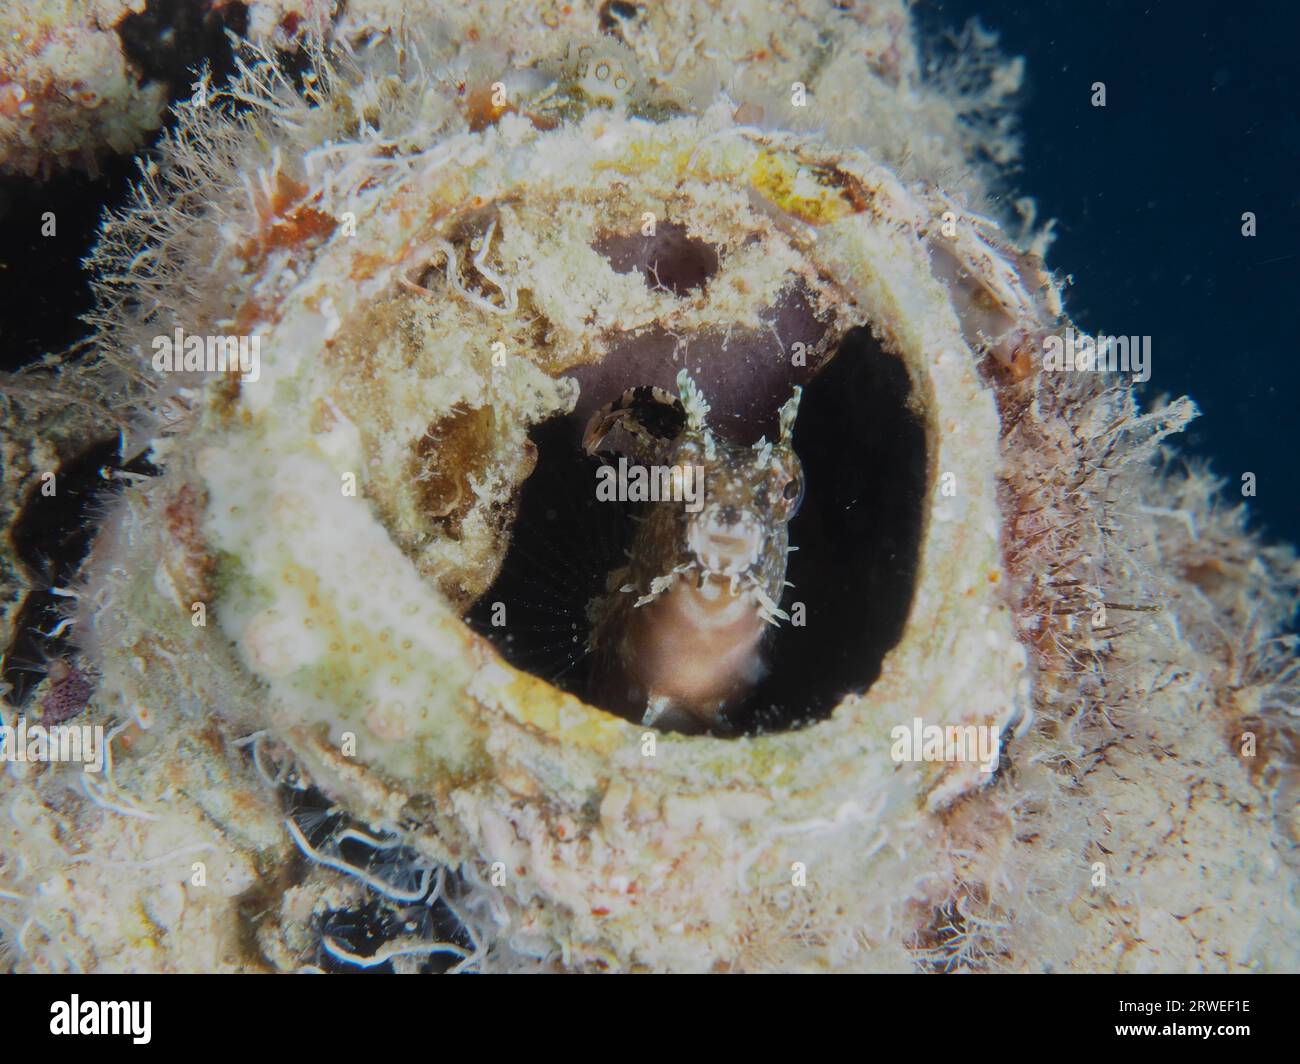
column 1200, row 126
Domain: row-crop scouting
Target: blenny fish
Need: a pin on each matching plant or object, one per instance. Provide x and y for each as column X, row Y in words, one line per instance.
column 678, row 635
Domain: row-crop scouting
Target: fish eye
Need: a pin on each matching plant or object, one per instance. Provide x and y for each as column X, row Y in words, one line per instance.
column 792, row 493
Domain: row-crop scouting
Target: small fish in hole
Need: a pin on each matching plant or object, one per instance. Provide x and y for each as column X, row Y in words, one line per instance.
column 678, row 636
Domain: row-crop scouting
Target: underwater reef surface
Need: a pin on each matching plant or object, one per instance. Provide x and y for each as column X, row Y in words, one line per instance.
column 319, row 624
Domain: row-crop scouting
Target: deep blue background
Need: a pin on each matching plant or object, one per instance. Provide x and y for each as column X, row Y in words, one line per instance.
column 1200, row 125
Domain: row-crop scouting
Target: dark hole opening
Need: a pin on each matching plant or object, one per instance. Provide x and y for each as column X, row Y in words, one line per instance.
column 169, row 40
column 46, row 288
column 613, row 12
column 563, row 545
column 51, row 536
column 858, row 533
column 366, row 927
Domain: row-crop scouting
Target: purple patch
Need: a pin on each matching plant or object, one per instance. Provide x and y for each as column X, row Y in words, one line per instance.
column 745, row 377
column 66, row 697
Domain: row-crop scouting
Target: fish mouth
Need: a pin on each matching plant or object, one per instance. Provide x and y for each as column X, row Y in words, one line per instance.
column 729, row 554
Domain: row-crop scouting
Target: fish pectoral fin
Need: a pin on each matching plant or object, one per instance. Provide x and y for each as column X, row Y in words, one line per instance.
column 658, row 710
column 664, row 713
